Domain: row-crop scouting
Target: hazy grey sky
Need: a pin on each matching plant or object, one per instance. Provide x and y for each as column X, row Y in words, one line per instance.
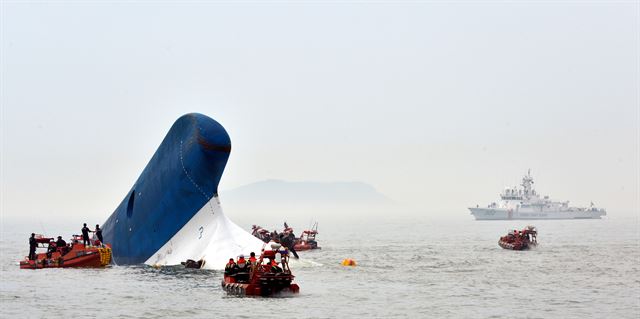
column 436, row 104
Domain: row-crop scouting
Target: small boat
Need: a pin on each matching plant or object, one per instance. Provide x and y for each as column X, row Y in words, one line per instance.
column 261, row 233
column 74, row 255
column 262, row 278
column 307, row 240
column 190, row 263
column 519, row 239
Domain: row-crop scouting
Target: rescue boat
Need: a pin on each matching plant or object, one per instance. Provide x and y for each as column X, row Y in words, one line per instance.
column 73, row 255
column 307, row 240
column 520, row 239
column 261, row 233
column 261, row 279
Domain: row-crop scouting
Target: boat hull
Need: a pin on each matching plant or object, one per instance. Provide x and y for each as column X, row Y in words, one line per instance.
column 513, row 246
column 505, row 214
column 255, row 289
column 304, row 245
column 78, row 257
column 172, row 212
column 209, row 236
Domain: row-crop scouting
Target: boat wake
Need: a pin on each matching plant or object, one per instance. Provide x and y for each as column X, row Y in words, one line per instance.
column 304, row 263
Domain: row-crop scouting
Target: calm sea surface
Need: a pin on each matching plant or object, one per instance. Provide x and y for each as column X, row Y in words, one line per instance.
column 406, row 268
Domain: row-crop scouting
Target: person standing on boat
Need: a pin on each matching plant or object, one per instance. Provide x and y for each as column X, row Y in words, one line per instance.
column 32, row 246
column 98, row 232
column 85, row 235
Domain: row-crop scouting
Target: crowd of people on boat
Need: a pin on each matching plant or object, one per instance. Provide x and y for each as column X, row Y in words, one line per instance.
column 514, row 235
column 518, row 240
column 242, row 268
column 527, row 235
column 62, row 246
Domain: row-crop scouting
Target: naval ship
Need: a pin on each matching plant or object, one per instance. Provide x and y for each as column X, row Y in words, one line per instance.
column 526, row 203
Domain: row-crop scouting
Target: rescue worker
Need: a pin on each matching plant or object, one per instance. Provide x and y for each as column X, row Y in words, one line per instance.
column 274, row 266
column 229, row 269
column 51, row 249
column 62, row 246
column 32, row 246
column 242, row 269
column 242, row 263
column 85, row 235
column 60, row 242
column 98, row 232
column 252, row 259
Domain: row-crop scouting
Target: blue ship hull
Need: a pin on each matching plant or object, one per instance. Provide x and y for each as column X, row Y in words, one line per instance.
column 181, row 178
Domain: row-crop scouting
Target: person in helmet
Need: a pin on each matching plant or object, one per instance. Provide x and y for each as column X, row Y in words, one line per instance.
column 241, row 261
column 242, row 269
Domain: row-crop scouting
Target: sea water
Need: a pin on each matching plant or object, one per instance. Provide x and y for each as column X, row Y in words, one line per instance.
column 406, row 267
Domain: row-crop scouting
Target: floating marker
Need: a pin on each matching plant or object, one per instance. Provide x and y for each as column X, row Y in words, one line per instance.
column 349, row 262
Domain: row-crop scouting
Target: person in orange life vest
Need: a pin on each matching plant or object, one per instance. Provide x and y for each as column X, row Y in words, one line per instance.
column 274, row 266
column 98, row 232
column 252, row 258
column 241, row 261
column 241, row 265
column 230, row 268
column 242, row 269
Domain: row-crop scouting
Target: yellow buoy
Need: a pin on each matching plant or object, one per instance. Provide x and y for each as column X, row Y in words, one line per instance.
column 348, row 262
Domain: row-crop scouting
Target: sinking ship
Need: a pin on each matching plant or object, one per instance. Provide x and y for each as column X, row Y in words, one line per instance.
column 526, row 203
column 172, row 212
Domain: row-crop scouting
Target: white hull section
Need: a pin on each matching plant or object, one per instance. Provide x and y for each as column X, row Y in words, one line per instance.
column 209, row 235
column 506, row 214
